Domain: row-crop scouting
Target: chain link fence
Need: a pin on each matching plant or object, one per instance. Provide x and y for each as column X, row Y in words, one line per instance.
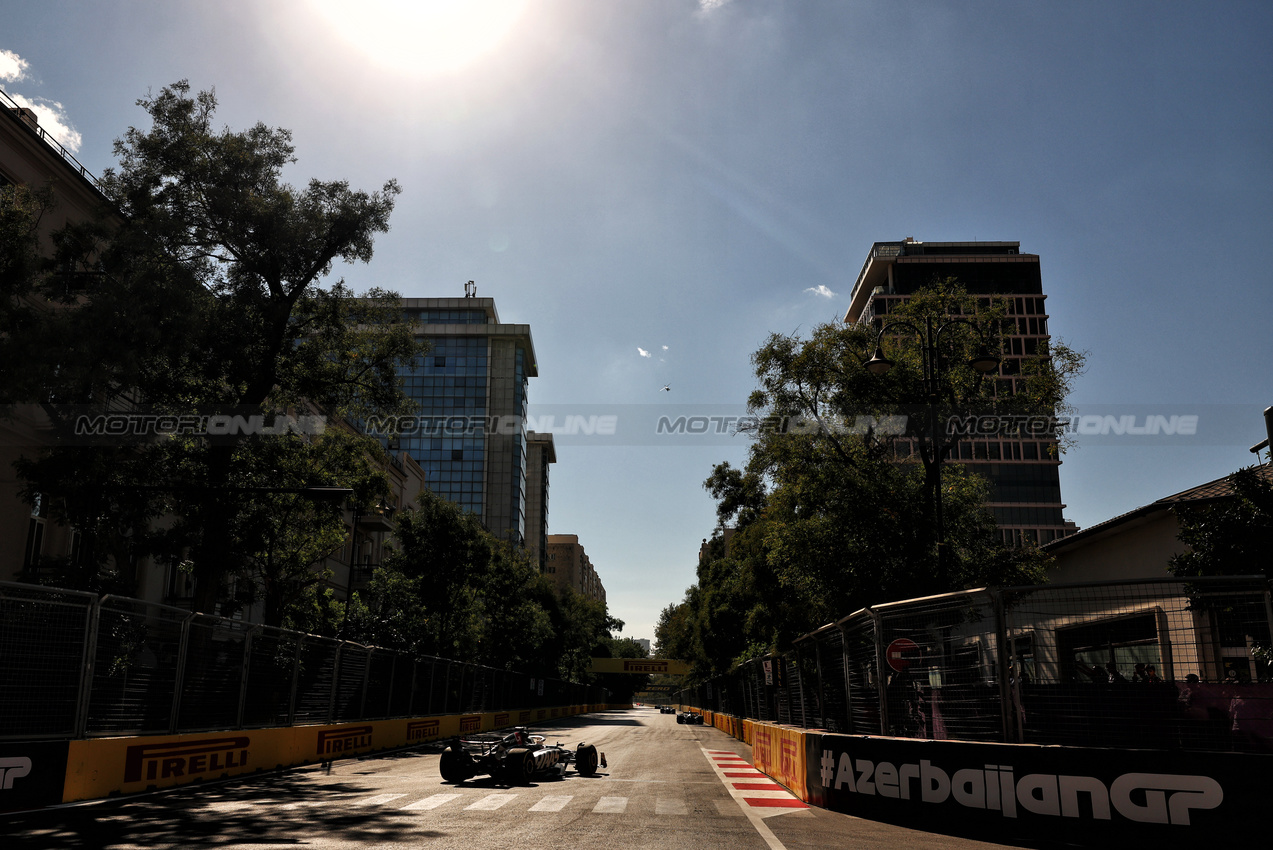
column 1161, row 664
column 75, row 665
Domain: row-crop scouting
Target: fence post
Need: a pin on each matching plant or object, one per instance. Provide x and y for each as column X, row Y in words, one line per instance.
column 88, row 663
column 752, row 706
column 848, row 685
column 881, row 687
column 296, row 681
column 798, row 669
column 179, row 682
column 1005, row 667
column 821, row 691
column 415, row 679
column 331, row 699
column 393, row 680
column 244, row 674
column 366, row 677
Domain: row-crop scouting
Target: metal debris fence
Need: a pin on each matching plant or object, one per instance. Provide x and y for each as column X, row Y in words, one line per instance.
column 1160, row 664
column 75, row 665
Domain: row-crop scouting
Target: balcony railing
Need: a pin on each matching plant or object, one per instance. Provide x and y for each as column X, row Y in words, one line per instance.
column 17, row 112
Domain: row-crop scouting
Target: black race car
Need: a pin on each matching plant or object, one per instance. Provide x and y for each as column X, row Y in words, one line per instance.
column 667, row 709
column 690, row 718
column 515, row 758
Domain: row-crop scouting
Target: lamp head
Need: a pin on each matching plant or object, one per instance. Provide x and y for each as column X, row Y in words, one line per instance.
column 878, row 364
column 984, row 362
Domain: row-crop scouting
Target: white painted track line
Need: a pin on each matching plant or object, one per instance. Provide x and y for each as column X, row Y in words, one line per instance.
column 490, row 802
column 429, row 803
column 552, row 804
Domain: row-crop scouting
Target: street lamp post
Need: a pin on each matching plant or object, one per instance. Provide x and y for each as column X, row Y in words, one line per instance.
column 381, row 512
column 983, row 362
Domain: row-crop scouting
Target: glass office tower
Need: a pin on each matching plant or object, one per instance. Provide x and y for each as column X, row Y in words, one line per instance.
column 471, row 388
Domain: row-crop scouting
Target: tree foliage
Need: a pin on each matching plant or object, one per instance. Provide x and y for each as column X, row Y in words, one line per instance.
column 453, row 590
column 832, row 511
column 1229, row 536
column 204, row 291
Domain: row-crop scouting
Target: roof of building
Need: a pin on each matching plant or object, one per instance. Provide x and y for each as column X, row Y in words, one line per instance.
column 1220, row 488
column 29, row 122
column 883, row 254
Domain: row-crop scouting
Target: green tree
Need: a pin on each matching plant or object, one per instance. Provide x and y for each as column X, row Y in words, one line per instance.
column 1229, row 536
column 452, row 589
column 831, row 513
column 205, row 292
column 426, row 596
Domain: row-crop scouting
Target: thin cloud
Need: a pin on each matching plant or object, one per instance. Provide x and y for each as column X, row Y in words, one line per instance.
column 706, row 7
column 12, row 66
column 822, row 290
column 53, row 120
column 51, row 114
column 642, row 352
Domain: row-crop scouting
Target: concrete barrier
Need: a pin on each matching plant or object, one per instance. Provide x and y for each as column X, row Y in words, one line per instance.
column 1024, row 792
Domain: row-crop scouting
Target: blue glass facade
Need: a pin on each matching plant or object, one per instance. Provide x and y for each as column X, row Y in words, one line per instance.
column 471, row 391
column 518, row 495
column 432, row 316
column 451, row 381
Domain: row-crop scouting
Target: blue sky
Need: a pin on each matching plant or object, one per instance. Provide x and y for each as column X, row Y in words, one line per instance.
column 682, row 178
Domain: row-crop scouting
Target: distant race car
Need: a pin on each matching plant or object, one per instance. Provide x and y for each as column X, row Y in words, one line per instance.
column 667, row 709
column 515, row 758
column 690, row 718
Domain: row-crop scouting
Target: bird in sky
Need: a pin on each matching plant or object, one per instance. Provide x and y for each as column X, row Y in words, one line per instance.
column 666, row 389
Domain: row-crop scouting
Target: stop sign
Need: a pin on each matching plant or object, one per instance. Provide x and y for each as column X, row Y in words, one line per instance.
column 901, row 653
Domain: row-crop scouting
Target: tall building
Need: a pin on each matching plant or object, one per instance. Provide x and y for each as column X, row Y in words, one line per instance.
column 539, row 454
column 1023, row 472
column 569, row 566
column 471, row 388
column 31, row 157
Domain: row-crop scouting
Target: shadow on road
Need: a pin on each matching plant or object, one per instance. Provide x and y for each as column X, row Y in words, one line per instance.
column 269, row 811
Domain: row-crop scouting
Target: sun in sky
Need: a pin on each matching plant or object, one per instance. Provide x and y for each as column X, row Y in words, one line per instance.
column 426, row 37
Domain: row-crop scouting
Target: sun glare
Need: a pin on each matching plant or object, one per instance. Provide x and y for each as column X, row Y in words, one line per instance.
column 425, row 37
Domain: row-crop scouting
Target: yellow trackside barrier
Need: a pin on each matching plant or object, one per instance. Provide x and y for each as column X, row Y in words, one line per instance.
column 101, row 767
column 780, row 752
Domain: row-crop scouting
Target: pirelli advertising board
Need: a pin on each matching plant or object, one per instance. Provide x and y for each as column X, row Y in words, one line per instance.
column 657, row 666
column 1083, row 795
column 46, row 773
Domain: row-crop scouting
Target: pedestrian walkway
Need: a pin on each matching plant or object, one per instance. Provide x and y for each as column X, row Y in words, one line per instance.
column 663, row 806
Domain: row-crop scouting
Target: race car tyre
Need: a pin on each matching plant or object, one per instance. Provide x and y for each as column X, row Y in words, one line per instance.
column 455, row 765
column 519, row 766
column 586, row 760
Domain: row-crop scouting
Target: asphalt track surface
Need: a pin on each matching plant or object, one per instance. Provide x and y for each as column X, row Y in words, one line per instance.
column 668, row 787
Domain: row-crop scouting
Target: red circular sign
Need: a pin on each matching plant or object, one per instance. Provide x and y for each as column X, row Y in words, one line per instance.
column 901, row 653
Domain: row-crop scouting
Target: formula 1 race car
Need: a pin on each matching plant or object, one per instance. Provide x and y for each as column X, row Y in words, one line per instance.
column 690, row 718
column 667, row 709
column 515, row 758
